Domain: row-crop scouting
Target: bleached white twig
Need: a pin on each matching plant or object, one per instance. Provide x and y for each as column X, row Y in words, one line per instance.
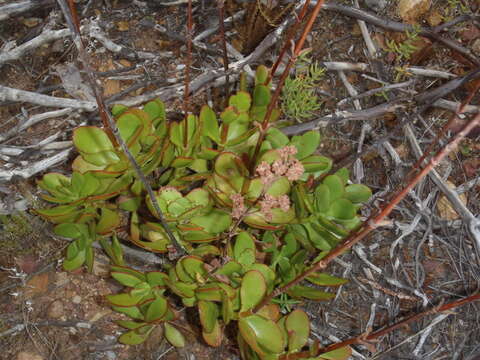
column 434, row 322
column 17, row 95
column 206, row 33
column 9, row 10
column 32, row 169
column 430, row 73
column 96, row 32
column 467, row 216
column 32, row 121
column 453, row 106
column 45, row 37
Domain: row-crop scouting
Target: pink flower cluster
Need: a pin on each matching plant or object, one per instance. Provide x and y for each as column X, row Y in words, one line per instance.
column 238, row 207
column 270, row 202
column 287, row 166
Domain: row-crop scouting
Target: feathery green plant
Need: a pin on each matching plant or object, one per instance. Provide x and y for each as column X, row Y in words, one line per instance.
column 299, row 98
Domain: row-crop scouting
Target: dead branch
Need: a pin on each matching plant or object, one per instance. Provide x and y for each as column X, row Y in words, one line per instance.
column 188, row 63
column 176, row 37
column 445, row 308
column 69, row 12
column 221, row 16
column 35, row 168
column 34, row 119
column 16, row 95
column 10, row 54
column 473, row 224
column 14, row 9
column 397, row 26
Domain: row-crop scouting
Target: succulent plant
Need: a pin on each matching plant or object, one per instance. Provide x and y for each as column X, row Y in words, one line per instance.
column 249, row 223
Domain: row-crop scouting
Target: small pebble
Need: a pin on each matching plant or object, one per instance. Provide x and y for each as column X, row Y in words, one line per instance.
column 25, row 355
column 55, row 310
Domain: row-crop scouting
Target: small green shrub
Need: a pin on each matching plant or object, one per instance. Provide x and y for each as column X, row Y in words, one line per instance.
column 299, row 97
column 249, row 226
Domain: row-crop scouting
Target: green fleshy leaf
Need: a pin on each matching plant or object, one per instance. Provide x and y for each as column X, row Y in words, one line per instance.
column 193, row 266
column 213, row 338
column 277, row 138
column 261, row 75
column 241, row 101
column 306, row 292
column 131, row 311
column 133, row 337
column 252, row 290
column 208, row 312
column 267, row 272
column 156, row 310
column 126, row 279
column 306, row 144
column 297, row 325
column 358, row 193
column 338, row 354
column 322, row 198
column 156, row 110
column 261, row 95
column 109, row 220
column 335, row 185
column 210, row 123
column 262, row 334
column 324, row 279
column 244, row 248
column 72, row 231
column 91, row 140
column 174, row 336
column 123, row 300
column 214, row 222
column 342, row 209
column 210, row 292
column 317, row 164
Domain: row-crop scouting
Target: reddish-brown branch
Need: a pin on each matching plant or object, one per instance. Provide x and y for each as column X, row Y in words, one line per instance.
column 376, row 220
column 276, row 95
column 289, row 39
column 109, row 122
column 98, row 97
column 221, row 26
column 370, row 337
column 188, row 62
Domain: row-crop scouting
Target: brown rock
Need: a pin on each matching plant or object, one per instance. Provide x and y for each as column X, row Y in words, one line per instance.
column 476, row 47
column 25, row 355
column 412, row 10
column 55, row 310
column 37, row 285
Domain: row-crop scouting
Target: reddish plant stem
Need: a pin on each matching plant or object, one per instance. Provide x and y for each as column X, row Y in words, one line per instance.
column 368, row 337
column 98, row 97
column 221, row 26
column 288, row 40
column 376, row 220
column 298, row 47
column 188, row 62
column 110, row 127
